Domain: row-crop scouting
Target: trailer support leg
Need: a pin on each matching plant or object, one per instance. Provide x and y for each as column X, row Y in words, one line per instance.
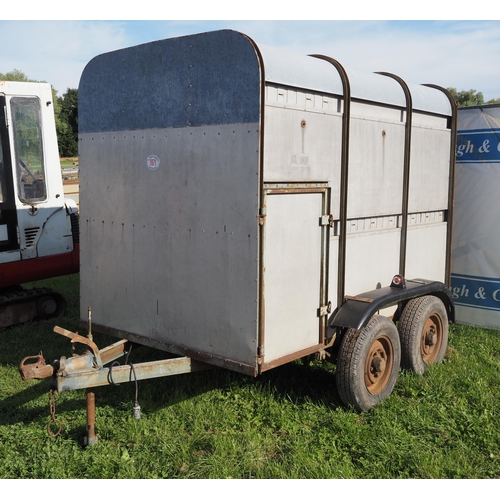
column 91, row 438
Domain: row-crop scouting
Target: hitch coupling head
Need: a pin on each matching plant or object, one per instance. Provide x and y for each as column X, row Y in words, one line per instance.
column 34, row 367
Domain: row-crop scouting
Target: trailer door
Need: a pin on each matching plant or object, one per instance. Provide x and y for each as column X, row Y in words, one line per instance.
column 295, row 250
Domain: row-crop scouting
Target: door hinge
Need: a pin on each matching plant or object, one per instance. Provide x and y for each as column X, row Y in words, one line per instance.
column 325, row 310
column 326, row 220
column 262, row 216
column 260, row 354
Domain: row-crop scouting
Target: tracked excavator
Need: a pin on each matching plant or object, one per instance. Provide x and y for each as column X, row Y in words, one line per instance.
column 39, row 227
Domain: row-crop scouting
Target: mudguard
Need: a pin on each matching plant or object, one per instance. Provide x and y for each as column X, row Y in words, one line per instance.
column 357, row 310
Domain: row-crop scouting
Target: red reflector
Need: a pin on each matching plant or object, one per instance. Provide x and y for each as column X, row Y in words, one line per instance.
column 398, row 281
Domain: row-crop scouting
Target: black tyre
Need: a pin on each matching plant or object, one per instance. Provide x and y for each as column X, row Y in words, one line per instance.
column 423, row 329
column 368, row 364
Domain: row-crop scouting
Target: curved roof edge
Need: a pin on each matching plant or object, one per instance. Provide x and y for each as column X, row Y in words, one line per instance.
column 286, row 67
column 430, row 99
column 232, row 50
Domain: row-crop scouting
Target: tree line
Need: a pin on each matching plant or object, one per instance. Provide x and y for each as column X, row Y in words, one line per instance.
column 65, row 113
column 66, row 110
column 470, row 97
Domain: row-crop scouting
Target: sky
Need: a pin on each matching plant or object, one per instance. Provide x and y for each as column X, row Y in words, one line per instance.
column 458, row 53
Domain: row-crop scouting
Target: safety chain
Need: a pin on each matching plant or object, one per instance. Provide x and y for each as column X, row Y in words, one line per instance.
column 54, row 422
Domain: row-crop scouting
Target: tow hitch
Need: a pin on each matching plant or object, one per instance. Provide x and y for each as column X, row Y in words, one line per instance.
column 35, row 367
column 88, row 370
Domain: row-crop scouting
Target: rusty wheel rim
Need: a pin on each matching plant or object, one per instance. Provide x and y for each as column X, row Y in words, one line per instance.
column 432, row 339
column 378, row 367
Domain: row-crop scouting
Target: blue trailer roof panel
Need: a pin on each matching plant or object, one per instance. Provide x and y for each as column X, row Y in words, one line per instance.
column 211, row 78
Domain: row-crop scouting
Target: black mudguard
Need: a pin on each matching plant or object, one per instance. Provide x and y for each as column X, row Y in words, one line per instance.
column 357, row 311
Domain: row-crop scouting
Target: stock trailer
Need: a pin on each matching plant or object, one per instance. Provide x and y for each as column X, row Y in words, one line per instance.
column 242, row 206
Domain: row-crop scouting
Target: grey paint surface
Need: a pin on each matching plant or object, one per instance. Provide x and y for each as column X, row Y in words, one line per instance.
column 171, row 251
column 172, row 254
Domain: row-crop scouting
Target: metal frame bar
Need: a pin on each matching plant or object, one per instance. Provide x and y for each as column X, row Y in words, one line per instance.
column 68, row 381
column 344, row 175
column 87, row 370
column 406, row 170
column 451, row 185
column 261, row 312
column 216, row 361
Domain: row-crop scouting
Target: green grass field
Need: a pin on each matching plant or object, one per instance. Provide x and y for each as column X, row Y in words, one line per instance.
column 69, row 163
column 287, row 423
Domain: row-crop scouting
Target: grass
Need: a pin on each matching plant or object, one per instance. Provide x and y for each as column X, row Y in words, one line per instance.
column 69, row 163
column 287, row 423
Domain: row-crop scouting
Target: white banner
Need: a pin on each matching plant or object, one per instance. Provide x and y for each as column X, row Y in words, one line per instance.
column 476, row 235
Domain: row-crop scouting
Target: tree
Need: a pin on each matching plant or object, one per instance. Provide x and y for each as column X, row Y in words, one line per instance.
column 470, row 97
column 15, row 76
column 467, row 97
column 67, row 131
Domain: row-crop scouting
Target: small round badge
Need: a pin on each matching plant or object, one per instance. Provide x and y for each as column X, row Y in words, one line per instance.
column 153, row 162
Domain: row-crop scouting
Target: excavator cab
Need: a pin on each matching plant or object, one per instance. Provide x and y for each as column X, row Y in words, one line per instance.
column 38, row 225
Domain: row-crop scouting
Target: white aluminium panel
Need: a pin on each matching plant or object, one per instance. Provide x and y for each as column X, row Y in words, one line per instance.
column 302, row 144
column 375, row 88
column 426, row 251
column 292, row 273
column 333, row 268
column 429, row 169
column 371, row 111
column 376, row 160
column 372, row 259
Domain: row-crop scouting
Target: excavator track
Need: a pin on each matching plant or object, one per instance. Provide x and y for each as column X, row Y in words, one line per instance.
column 19, row 305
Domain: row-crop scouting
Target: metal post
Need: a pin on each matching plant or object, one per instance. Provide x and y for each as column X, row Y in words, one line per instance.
column 91, row 438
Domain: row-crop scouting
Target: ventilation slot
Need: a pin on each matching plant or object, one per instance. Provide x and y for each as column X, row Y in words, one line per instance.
column 75, row 228
column 30, row 235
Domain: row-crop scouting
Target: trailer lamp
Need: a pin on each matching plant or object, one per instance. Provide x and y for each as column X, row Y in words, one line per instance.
column 398, row 281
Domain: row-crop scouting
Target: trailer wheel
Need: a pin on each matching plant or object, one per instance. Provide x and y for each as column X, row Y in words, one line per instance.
column 368, row 364
column 423, row 329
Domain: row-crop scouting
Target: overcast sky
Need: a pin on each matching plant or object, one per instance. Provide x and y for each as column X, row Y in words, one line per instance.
column 458, row 53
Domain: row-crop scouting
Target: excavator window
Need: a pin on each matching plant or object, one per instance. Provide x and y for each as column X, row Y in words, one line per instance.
column 8, row 215
column 28, row 149
column 3, row 182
